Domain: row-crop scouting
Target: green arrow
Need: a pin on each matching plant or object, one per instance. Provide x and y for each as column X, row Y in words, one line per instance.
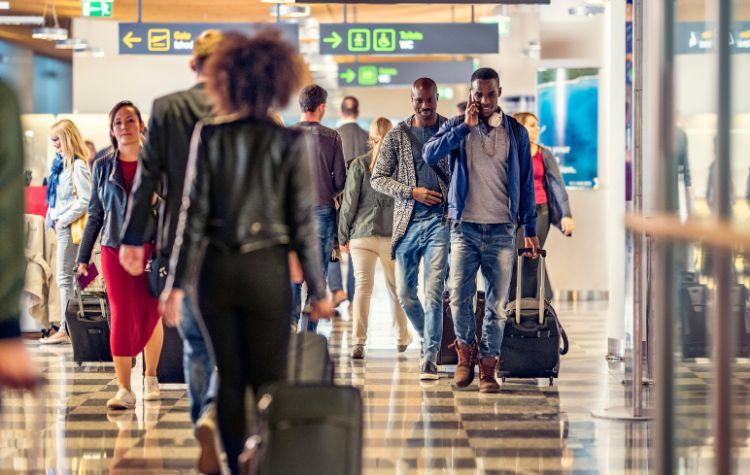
column 335, row 39
column 349, row 75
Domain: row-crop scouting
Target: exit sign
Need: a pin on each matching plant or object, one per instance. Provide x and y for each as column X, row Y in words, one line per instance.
column 97, row 9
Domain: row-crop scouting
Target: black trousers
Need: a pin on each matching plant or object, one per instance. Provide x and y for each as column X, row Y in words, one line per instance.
column 245, row 300
column 530, row 284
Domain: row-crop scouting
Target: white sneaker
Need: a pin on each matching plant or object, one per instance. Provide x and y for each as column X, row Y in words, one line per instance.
column 124, row 399
column 59, row 338
column 205, row 431
column 151, row 389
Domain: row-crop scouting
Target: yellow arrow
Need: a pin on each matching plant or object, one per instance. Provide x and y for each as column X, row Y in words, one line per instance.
column 130, row 39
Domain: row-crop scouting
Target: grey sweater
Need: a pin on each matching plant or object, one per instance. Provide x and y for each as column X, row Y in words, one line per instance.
column 394, row 175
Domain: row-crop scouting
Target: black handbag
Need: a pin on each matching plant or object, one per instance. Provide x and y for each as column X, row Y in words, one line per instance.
column 157, row 271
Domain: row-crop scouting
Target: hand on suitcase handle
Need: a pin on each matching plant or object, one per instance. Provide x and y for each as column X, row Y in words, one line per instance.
column 526, row 250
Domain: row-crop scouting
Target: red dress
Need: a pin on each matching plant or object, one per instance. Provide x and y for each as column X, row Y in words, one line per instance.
column 135, row 312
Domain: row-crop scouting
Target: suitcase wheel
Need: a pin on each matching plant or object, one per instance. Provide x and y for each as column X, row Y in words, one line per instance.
column 80, row 363
column 551, row 381
column 503, row 379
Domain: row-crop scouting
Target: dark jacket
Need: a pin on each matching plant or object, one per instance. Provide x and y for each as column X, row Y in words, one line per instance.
column 450, row 139
column 354, row 140
column 12, row 235
column 364, row 212
column 107, row 208
column 554, row 186
column 327, row 159
column 162, row 165
column 248, row 187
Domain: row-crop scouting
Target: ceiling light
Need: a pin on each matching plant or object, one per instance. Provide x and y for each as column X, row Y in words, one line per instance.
column 21, row 20
column 76, row 44
column 53, row 33
column 4, row 5
column 49, row 33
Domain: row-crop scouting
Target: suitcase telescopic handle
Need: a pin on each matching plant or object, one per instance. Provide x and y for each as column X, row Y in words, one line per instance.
column 519, row 277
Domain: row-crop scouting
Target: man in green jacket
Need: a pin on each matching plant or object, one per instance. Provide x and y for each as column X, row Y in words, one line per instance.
column 16, row 368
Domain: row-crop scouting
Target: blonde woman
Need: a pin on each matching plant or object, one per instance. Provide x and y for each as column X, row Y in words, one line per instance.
column 365, row 226
column 68, row 194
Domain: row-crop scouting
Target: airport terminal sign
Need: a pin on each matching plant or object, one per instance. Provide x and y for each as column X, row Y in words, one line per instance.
column 403, row 74
column 96, row 8
column 402, row 39
column 698, row 37
column 457, row 2
column 178, row 38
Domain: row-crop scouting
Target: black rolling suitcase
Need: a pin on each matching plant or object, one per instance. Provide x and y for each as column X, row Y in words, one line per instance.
column 693, row 310
column 306, row 428
column 531, row 346
column 87, row 316
column 171, row 368
column 447, row 353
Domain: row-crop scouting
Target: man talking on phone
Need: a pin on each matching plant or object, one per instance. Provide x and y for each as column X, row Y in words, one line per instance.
column 419, row 226
column 492, row 192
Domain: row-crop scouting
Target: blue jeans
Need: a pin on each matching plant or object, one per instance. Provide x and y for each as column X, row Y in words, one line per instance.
column 491, row 247
column 428, row 239
column 198, row 363
column 335, row 281
column 325, row 220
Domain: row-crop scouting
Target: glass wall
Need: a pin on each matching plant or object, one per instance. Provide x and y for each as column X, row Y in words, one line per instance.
column 700, row 268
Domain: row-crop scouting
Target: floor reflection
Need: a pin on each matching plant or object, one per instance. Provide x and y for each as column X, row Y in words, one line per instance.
column 410, row 427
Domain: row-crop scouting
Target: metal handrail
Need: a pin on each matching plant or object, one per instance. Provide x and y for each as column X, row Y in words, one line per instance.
column 717, row 233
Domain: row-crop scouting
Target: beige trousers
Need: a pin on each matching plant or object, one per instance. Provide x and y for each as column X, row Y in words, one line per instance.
column 365, row 253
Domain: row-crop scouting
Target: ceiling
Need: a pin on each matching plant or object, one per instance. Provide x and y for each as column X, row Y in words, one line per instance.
column 255, row 11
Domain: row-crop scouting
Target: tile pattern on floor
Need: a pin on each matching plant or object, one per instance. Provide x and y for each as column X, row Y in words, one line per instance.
column 410, row 427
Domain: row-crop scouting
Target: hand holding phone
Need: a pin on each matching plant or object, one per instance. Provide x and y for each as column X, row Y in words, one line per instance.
column 472, row 113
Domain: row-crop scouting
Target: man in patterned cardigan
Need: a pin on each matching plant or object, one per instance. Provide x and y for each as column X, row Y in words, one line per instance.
column 419, row 226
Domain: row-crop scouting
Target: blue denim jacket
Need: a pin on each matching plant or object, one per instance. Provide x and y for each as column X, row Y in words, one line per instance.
column 450, row 139
column 73, row 191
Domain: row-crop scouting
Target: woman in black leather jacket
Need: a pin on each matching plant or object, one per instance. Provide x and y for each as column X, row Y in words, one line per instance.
column 249, row 195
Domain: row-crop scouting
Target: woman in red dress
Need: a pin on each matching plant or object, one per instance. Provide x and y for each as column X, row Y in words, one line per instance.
column 135, row 323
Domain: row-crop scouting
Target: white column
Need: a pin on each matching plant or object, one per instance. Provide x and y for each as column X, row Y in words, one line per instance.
column 612, row 138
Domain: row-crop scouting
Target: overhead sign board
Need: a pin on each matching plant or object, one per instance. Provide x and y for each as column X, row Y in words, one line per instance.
column 178, row 38
column 97, row 8
column 403, row 73
column 698, row 37
column 404, row 38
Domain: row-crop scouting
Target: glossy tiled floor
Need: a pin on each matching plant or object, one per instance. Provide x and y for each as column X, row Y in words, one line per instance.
column 410, row 427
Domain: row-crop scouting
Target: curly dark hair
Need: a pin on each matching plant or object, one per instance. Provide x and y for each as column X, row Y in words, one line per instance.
column 253, row 74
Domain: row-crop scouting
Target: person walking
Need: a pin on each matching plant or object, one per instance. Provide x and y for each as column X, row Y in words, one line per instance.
column 365, row 226
column 163, row 162
column 492, row 192
column 355, row 143
column 552, row 207
column 68, row 193
column 420, row 232
column 17, row 371
column 135, row 325
column 248, row 224
column 329, row 172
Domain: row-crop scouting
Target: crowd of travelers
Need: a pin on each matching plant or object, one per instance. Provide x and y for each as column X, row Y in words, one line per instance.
column 243, row 212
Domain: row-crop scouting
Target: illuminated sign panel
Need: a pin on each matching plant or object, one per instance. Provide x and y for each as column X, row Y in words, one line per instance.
column 407, row 39
column 403, row 73
column 178, row 38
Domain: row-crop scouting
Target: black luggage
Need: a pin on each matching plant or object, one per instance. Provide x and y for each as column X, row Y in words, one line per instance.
column 308, row 360
column 694, row 299
column 447, row 353
column 531, row 346
column 306, row 428
column 87, row 316
column 693, row 311
column 171, row 368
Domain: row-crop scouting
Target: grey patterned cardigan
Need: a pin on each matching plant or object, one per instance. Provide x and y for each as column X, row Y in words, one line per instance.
column 394, row 175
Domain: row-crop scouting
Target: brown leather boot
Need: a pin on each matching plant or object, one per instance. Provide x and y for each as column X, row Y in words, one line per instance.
column 487, row 381
column 467, row 358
